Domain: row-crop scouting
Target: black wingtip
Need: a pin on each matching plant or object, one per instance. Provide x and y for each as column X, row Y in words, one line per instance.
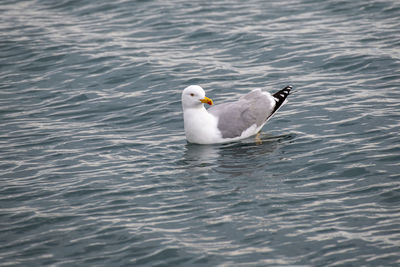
column 281, row 96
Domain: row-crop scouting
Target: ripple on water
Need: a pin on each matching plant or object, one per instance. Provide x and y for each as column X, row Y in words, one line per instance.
column 95, row 168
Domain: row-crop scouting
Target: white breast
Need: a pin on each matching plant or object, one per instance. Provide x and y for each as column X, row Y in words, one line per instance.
column 201, row 127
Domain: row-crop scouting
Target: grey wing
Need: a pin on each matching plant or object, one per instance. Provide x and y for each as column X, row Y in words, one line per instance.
column 235, row 117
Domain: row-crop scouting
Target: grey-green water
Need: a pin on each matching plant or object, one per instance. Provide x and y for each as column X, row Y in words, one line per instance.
column 95, row 169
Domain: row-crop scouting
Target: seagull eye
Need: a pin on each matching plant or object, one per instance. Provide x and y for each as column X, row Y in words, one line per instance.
column 191, row 94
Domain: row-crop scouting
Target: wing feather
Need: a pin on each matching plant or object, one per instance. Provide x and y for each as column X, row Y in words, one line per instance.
column 235, row 117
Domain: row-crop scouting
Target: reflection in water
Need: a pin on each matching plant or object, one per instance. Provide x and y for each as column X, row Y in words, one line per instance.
column 234, row 159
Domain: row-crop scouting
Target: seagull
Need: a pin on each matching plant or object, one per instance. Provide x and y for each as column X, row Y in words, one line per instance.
column 228, row 122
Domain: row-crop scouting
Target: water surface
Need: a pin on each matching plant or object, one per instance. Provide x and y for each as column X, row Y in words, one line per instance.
column 95, row 169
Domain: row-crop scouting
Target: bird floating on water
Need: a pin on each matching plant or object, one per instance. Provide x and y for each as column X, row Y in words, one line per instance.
column 228, row 122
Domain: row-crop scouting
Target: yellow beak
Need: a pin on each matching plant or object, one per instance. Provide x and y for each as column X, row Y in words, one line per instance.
column 206, row 100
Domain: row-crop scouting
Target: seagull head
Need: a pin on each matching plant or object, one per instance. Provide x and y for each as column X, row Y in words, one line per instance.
column 194, row 96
